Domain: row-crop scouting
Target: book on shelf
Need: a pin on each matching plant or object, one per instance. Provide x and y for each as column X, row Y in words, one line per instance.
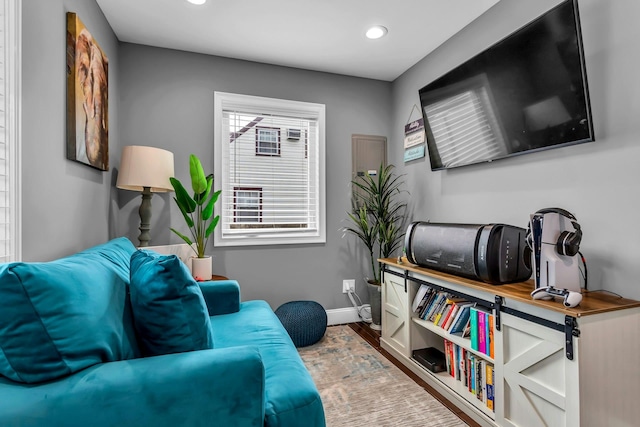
column 481, row 385
column 461, row 364
column 473, row 322
column 480, row 329
column 419, row 298
column 466, row 333
column 472, row 375
column 461, row 320
column 453, row 311
column 438, row 309
column 429, row 299
column 436, row 316
column 445, row 312
column 447, row 353
column 490, row 387
column 433, row 306
column 490, row 327
column 482, row 337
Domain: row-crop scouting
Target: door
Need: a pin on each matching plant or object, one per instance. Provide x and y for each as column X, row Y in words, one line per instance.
column 368, row 152
column 395, row 314
column 536, row 382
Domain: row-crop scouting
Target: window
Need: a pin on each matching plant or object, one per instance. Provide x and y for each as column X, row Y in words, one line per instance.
column 273, row 189
column 247, row 207
column 267, row 141
column 10, row 45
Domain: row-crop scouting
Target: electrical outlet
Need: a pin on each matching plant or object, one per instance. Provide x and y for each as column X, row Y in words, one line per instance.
column 348, row 285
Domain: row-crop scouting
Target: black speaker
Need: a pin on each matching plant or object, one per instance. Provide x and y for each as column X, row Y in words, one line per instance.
column 493, row 253
column 445, row 247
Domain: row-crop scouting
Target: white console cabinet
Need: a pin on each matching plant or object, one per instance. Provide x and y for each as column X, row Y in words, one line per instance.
column 553, row 366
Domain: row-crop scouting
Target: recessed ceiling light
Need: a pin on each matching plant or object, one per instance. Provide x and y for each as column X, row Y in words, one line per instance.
column 376, row 32
column 198, row 2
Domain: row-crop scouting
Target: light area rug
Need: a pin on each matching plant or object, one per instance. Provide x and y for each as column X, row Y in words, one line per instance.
column 360, row 387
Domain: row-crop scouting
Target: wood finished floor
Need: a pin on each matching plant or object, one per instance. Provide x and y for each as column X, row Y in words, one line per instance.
column 373, row 338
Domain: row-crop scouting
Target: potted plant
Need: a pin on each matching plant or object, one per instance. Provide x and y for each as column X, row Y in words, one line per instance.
column 376, row 220
column 198, row 214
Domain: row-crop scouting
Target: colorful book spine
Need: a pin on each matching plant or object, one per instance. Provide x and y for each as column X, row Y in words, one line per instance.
column 447, row 315
column 452, row 349
column 490, row 390
column 473, row 320
column 434, row 306
column 432, row 296
column 420, row 298
column 454, row 317
column 490, row 349
column 479, row 374
column 462, row 320
column 472, row 377
column 482, row 334
column 439, row 314
column 447, row 355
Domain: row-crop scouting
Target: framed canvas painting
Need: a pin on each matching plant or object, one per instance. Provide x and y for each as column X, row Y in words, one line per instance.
column 87, row 97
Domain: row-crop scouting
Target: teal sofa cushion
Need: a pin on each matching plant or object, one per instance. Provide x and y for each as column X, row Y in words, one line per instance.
column 62, row 316
column 169, row 311
column 291, row 397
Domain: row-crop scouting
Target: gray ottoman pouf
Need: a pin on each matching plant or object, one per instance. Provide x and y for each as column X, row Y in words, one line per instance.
column 305, row 321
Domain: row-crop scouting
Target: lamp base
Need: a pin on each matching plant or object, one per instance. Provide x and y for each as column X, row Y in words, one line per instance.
column 145, row 217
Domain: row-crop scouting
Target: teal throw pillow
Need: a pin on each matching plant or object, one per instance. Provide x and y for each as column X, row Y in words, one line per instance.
column 62, row 316
column 169, row 311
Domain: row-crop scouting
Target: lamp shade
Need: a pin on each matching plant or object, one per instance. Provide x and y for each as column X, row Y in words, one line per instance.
column 145, row 167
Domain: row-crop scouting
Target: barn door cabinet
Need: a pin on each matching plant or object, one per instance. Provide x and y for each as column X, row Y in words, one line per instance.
column 553, row 366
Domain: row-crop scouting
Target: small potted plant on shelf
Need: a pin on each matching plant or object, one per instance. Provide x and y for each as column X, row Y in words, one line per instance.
column 198, row 214
column 377, row 219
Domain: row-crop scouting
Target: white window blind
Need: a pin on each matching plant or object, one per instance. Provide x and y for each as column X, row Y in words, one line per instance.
column 9, row 127
column 462, row 128
column 272, row 185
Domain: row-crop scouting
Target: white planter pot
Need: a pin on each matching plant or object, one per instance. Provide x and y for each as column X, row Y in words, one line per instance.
column 201, row 267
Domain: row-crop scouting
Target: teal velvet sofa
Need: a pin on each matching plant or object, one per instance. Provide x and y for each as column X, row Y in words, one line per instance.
column 71, row 354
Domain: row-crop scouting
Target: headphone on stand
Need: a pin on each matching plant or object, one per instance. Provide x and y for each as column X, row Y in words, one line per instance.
column 568, row 242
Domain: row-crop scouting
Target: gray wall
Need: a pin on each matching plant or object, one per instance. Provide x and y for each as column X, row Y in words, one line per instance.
column 598, row 181
column 166, row 100
column 66, row 205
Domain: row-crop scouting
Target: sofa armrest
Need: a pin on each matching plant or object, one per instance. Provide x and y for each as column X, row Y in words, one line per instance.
column 221, row 296
column 208, row 387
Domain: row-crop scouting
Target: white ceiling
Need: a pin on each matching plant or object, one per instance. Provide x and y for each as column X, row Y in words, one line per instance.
column 322, row 35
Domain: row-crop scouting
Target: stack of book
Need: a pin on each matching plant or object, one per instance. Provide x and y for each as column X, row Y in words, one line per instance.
column 443, row 309
column 474, row 372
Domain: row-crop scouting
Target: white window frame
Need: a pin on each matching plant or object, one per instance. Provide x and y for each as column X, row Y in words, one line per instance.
column 12, row 69
column 224, row 101
column 241, row 203
column 267, row 147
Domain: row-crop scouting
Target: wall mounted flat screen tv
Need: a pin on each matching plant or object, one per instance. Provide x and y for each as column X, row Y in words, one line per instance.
column 526, row 93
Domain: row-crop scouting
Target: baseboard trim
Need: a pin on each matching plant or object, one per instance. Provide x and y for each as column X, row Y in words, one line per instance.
column 339, row 316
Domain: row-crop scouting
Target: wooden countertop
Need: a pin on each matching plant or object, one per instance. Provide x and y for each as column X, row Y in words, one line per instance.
column 593, row 302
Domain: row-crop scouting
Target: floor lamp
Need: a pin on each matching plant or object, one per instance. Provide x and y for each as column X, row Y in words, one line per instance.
column 145, row 169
